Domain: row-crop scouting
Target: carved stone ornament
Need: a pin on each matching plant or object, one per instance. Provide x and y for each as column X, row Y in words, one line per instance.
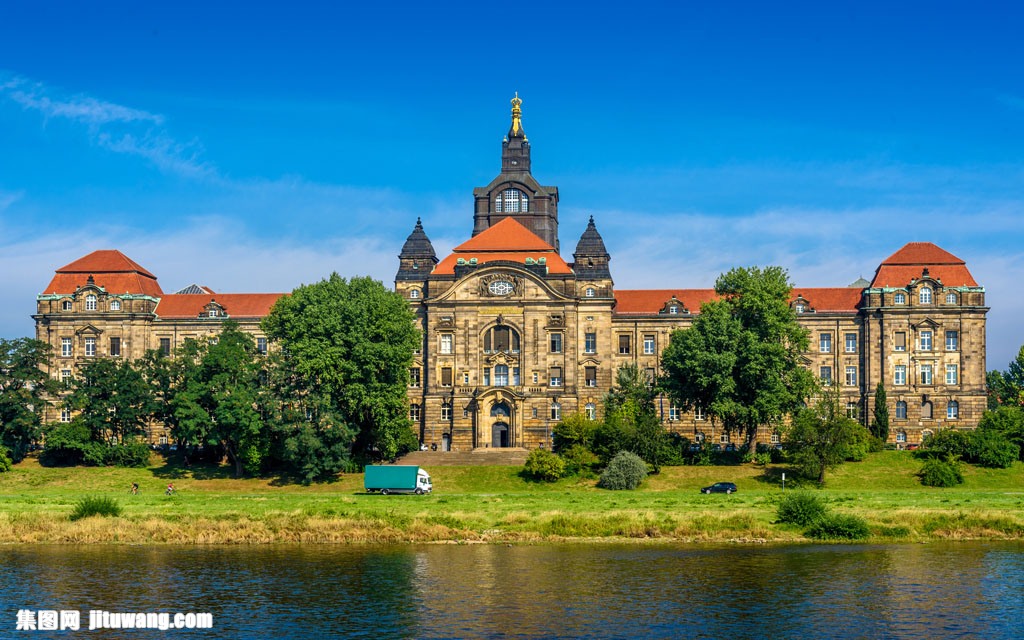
column 500, row 285
column 556, row 320
column 446, row 321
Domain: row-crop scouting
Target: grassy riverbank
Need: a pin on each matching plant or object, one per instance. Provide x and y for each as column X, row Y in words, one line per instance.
column 493, row 504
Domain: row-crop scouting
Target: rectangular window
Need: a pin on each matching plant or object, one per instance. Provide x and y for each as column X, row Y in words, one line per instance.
column 673, row 413
column 165, row 347
column 555, row 342
column 851, row 343
column 900, row 343
column 952, row 376
column 487, row 376
column 115, row 347
column 624, row 344
column 414, row 377
column 261, row 346
column 590, row 343
column 556, row 411
column 926, row 410
column 414, row 412
column 501, row 376
column 65, row 378
column 952, row 340
column 953, row 410
column 698, row 413
column 648, row 345
column 555, row 377
column 825, row 373
column 515, row 376
column 465, row 377
column 899, row 374
column 90, row 347
column 590, row 375
column 446, row 412
column 65, row 347
column 536, row 377
column 446, row 376
column 926, row 341
column 825, row 343
column 65, row 415
column 446, row 343
column 851, row 376
column 534, row 412
column 852, row 410
column 926, row 374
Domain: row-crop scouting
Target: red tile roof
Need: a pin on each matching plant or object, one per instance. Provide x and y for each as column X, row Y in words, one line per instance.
column 910, row 261
column 653, row 300
column 829, row 298
column 508, row 240
column 110, row 269
column 236, row 305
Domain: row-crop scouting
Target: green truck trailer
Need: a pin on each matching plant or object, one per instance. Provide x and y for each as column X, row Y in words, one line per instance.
column 397, row 479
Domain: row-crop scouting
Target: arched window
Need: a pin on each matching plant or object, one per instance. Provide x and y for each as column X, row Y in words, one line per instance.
column 901, row 436
column 90, row 302
column 511, row 201
column 414, row 294
column 591, row 411
column 925, row 295
column 590, row 292
column 899, row 298
column 556, row 411
column 65, row 306
column 950, row 298
column 115, row 305
column 953, row 410
column 500, row 410
column 926, row 410
column 501, row 338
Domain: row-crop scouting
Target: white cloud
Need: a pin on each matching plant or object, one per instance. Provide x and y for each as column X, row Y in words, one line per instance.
column 80, row 108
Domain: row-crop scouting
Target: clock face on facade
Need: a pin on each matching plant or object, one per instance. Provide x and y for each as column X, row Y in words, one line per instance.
column 500, row 287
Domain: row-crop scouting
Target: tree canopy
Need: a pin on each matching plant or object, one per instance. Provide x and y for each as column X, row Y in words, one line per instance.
column 349, row 346
column 740, row 359
column 24, row 388
column 823, row 436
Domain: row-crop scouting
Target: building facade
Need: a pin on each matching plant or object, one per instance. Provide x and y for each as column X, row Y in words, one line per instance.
column 515, row 336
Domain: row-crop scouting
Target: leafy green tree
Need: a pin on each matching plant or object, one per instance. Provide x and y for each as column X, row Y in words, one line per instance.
column 740, row 359
column 219, row 401
column 1007, row 388
column 822, row 437
column 24, row 389
column 112, row 400
column 351, row 343
column 630, row 419
column 1008, row 422
column 880, row 424
column 574, row 430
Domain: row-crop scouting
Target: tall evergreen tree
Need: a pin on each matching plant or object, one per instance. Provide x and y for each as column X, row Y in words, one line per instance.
column 880, row 424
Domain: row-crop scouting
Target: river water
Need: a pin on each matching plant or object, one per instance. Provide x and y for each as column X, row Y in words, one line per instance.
column 967, row 590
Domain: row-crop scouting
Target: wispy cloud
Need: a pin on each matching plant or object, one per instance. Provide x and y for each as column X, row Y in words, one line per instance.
column 116, row 127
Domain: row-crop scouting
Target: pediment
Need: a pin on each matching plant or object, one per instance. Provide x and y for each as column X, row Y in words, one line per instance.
column 927, row 322
column 589, row 361
column 88, row 330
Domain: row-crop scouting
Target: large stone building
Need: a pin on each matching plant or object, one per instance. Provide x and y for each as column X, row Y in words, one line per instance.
column 515, row 337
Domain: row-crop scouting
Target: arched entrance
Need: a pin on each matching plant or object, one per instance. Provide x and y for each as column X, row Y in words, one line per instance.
column 500, row 432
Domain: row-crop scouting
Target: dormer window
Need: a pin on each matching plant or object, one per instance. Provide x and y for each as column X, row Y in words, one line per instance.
column 414, row 294
column 115, row 305
column 90, row 302
column 925, row 295
column 212, row 313
column 799, row 308
column 511, row 201
column 899, row 298
column 65, row 306
column 673, row 309
column 950, row 298
column 590, row 292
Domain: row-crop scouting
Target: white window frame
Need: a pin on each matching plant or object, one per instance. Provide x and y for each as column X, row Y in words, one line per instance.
column 851, row 376
column 825, row 379
column 589, row 292
column 556, row 411
column 851, row 343
column 90, row 347
column 590, row 343
column 924, row 295
column 951, row 298
column 673, row 413
column 649, row 345
column 447, row 341
column 65, row 415
column 591, row 411
column 899, row 298
column 901, row 407
column 555, row 343
column 825, row 343
column 953, row 410
column 66, row 347
column 115, row 305
column 925, row 342
column 927, row 376
column 952, row 374
column 90, row 302
column 698, row 414
column 899, row 375
column 901, row 436
column 952, row 341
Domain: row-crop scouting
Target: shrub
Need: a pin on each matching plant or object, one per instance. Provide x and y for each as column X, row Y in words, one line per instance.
column 801, row 508
column 626, row 471
column 940, row 473
column 990, row 449
column 544, row 465
column 5, row 460
column 946, row 443
column 838, row 526
column 96, row 506
column 579, row 460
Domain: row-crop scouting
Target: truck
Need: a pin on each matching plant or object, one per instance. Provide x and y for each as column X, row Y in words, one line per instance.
column 397, row 479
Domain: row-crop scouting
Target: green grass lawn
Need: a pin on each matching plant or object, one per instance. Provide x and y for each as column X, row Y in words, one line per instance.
column 496, row 504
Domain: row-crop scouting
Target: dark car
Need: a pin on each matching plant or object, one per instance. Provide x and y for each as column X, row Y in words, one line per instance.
column 720, row 487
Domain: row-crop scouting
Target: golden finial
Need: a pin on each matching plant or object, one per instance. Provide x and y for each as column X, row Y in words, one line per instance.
column 516, row 113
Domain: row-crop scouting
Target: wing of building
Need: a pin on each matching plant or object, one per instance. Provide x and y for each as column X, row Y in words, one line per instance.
column 515, row 336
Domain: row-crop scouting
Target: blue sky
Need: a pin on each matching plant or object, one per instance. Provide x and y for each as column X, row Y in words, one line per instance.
column 251, row 147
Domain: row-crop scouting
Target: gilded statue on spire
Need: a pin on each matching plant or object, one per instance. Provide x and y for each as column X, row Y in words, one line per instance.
column 516, row 113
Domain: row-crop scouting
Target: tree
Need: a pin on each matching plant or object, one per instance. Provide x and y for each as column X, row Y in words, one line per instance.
column 740, row 359
column 218, row 399
column 880, row 424
column 631, row 419
column 112, row 400
column 24, row 388
column 1007, row 388
column 1008, row 422
column 822, row 437
column 350, row 343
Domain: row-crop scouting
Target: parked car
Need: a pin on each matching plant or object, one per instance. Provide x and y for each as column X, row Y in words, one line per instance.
column 720, row 487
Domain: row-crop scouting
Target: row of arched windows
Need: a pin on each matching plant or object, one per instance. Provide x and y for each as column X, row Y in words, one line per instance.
column 91, row 304
column 925, row 295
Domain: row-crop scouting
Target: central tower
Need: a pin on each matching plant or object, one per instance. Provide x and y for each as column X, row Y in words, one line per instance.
column 514, row 193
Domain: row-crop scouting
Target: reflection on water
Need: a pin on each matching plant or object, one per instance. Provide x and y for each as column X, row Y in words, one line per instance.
column 925, row 591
